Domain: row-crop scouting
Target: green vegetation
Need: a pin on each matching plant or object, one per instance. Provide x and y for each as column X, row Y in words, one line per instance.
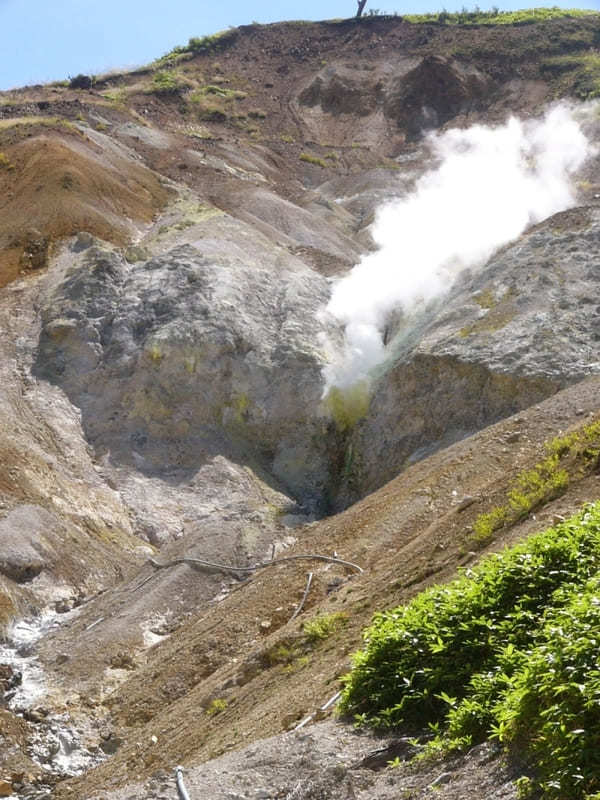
column 117, row 95
column 217, row 91
column 525, row 16
column 216, row 706
column 507, row 650
column 568, row 457
column 165, row 83
column 319, row 162
column 322, row 626
column 198, row 45
column 581, row 70
column 209, row 102
column 5, row 162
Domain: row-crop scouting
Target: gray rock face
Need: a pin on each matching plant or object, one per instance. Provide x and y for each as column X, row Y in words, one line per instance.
column 28, row 536
column 192, row 363
column 507, row 336
column 187, row 356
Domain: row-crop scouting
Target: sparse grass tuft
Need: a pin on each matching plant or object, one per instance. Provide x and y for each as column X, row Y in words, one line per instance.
column 218, row 91
column 5, row 162
column 319, row 162
column 324, row 625
column 165, row 83
column 198, row 45
column 569, row 457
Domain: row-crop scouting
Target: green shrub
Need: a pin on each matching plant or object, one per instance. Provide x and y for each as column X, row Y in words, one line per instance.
column 488, row 523
column 198, row 45
column 509, row 649
column 216, row 707
column 568, row 457
column 322, row 626
column 553, row 701
column 164, row 82
column 538, row 485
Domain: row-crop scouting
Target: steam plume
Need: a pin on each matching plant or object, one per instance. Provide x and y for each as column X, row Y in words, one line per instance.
column 491, row 183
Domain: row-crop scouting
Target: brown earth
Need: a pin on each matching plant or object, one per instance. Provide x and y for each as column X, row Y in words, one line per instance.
column 59, row 182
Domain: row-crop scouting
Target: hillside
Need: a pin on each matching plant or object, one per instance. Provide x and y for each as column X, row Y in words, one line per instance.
column 170, row 240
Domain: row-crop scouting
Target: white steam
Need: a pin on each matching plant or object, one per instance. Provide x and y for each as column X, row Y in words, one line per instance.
column 491, row 184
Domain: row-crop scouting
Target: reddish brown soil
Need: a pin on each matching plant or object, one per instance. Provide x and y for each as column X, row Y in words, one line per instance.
column 57, row 183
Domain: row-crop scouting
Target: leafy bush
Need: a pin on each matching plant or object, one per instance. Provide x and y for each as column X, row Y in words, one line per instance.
column 509, row 649
column 213, row 43
column 553, row 702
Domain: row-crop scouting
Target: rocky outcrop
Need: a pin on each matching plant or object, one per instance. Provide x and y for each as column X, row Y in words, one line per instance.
column 191, row 355
column 434, row 92
column 405, row 96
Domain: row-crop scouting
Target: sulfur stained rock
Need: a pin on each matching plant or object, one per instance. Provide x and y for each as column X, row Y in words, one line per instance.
column 195, row 353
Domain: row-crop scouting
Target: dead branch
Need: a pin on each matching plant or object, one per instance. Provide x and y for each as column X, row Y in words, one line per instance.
column 261, row 565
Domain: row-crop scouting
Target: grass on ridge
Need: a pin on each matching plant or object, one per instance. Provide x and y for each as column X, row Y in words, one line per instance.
column 526, row 16
column 568, row 457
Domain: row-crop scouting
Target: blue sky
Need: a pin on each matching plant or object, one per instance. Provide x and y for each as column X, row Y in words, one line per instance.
column 43, row 40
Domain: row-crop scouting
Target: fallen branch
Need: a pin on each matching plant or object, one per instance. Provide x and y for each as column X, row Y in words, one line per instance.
column 304, row 596
column 261, row 565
